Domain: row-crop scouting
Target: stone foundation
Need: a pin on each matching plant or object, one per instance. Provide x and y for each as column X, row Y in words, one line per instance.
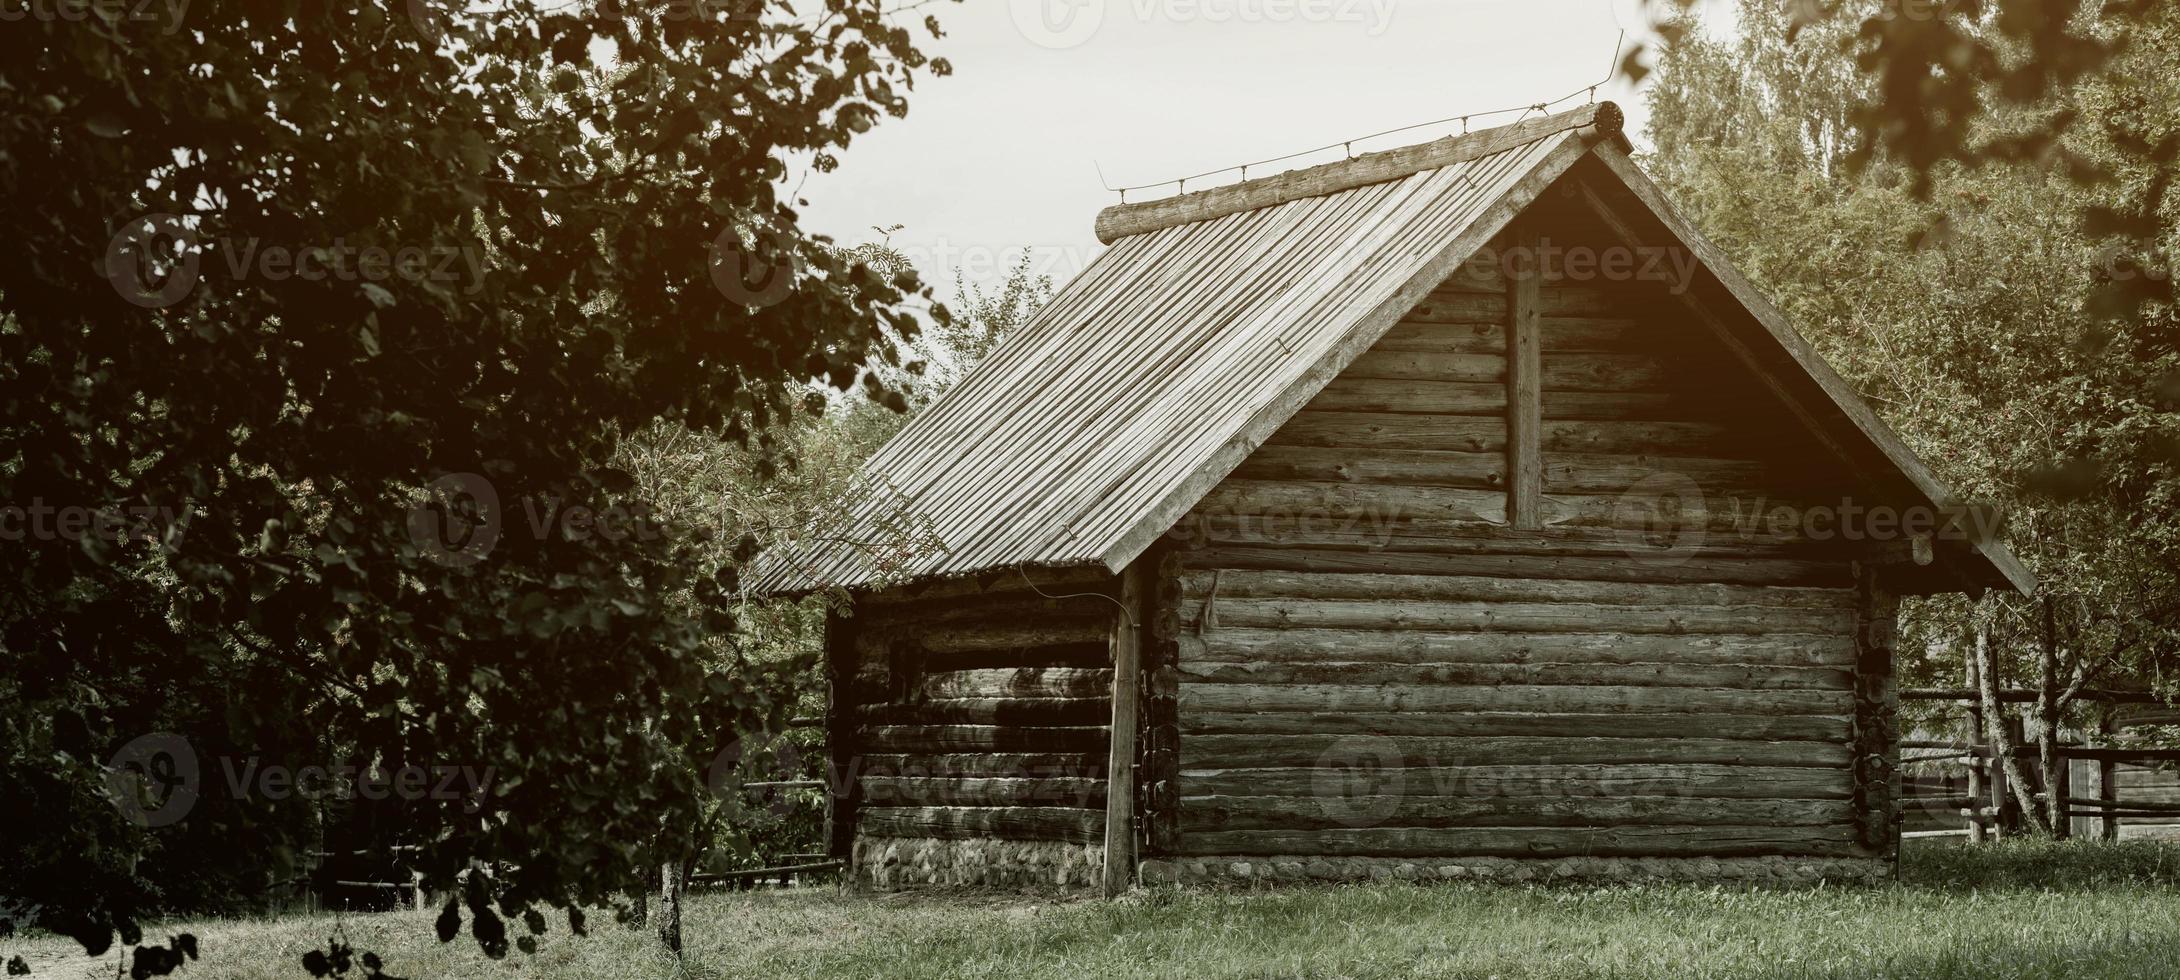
column 1735, row 870
column 892, row 863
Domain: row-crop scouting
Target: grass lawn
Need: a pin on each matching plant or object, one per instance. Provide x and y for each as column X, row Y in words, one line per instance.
column 2026, row 910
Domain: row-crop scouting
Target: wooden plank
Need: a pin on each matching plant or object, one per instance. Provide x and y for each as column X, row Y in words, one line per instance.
column 1392, row 431
column 989, row 711
column 1524, row 384
column 1715, row 841
column 1762, row 727
column 1403, row 365
column 1229, row 644
column 1523, row 780
column 1524, row 617
column 1596, row 333
column 1359, row 394
column 1019, row 765
column 1075, row 792
column 1598, row 122
column 1119, row 870
column 1267, row 583
column 971, row 823
column 1483, row 337
column 1704, row 439
column 1010, row 583
column 1201, row 814
column 1337, row 502
column 979, row 738
column 1310, row 464
column 1561, row 698
column 1261, row 550
column 1737, row 677
column 1019, row 682
column 1608, row 372
column 1567, row 473
column 1333, row 751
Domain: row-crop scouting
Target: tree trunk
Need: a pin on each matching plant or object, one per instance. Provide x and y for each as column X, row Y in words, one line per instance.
column 2047, row 727
column 2000, row 734
column 670, row 880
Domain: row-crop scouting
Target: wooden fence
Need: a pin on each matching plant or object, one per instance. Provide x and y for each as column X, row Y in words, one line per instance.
column 2105, row 790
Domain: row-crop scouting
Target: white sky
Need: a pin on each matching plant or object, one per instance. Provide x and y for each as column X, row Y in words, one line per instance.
column 1004, row 155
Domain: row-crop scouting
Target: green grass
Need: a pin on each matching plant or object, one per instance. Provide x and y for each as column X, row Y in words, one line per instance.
column 2019, row 910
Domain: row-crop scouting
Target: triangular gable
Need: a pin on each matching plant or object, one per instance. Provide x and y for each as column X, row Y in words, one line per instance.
column 1216, row 316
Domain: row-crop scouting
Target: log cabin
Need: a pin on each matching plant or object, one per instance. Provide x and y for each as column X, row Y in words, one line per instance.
column 1452, row 511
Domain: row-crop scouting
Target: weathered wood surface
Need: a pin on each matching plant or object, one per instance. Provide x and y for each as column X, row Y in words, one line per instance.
column 1239, row 544
column 1542, row 779
column 1007, row 823
column 1743, row 677
column 1350, row 394
column 1530, row 841
column 1032, row 711
column 1458, row 433
column 1337, row 500
column 1019, row 682
column 1218, row 813
column 1043, row 765
column 1277, row 583
column 1446, row 724
column 1274, row 751
column 1125, row 692
column 1522, row 617
column 1567, row 698
column 979, row 738
column 1011, row 582
column 1318, row 465
column 1303, row 646
column 982, row 791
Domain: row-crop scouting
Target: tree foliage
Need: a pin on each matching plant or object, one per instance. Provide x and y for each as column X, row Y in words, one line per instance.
column 323, row 327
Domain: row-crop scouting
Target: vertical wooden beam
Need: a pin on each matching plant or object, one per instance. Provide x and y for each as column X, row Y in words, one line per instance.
column 2107, row 772
column 1524, row 384
column 840, row 695
column 1877, row 716
column 1159, row 769
column 1978, row 823
column 1120, row 789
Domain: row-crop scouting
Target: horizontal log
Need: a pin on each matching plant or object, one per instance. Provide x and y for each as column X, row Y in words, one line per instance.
column 1561, row 698
column 997, row 610
column 1708, row 403
column 1427, row 366
column 978, row 738
column 990, row 711
column 1551, row 780
column 1014, row 636
column 1446, row 306
column 1521, row 617
column 1595, row 333
column 1019, row 765
column 1256, row 584
column 1613, row 473
column 1333, row 751
column 1315, row 812
column 1020, row 682
column 1011, row 583
column 1532, row 842
column 979, row 791
column 1351, row 672
column 1315, row 464
column 1337, row 503
column 1610, row 373
column 1459, row 433
column 1222, row 550
column 965, row 823
column 1242, row 645
column 1358, row 394
column 1480, row 337
column 1707, row 439
column 1564, row 298
column 1448, row 724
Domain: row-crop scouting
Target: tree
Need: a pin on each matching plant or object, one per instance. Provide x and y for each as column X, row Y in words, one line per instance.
column 1965, row 302
column 322, row 330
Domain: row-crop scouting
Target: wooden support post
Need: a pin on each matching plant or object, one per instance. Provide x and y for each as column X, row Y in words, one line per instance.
column 1524, row 385
column 1120, row 795
column 840, row 696
column 1978, row 824
column 1876, row 719
column 2107, row 772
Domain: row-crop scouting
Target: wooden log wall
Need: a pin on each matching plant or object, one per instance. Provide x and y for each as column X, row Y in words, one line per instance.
column 1374, row 659
column 976, row 709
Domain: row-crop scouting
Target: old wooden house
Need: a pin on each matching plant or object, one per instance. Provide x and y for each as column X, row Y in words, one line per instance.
column 1449, row 511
